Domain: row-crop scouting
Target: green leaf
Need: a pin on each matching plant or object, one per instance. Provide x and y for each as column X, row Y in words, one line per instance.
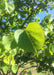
column 2, row 64
column 30, row 39
column 0, row 11
column 6, row 42
column 23, row 40
column 7, row 59
column 2, row 50
column 2, row 6
column 17, row 34
column 36, row 35
column 12, row 61
column 13, row 44
column 9, row 7
column 13, row 52
column 14, row 68
column 5, row 68
column 53, row 48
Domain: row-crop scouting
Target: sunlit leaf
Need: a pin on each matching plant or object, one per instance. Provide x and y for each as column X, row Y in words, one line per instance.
column 7, row 59
column 6, row 42
column 36, row 35
column 30, row 39
column 5, row 68
column 14, row 68
column 9, row 7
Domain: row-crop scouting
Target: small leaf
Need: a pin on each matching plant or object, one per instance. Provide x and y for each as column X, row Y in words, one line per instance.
column 7, row 59
column 9, row 7
column 12, row 61
column 6, row 42
column 50, row 52
column 5, row 68
column 53, row 48
column 14, row 68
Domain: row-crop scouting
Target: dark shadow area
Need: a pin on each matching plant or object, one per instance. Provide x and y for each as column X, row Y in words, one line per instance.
column 25, row 43
column 13, row 44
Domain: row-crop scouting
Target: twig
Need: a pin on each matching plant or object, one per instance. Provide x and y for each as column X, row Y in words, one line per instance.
column 25, row 21
column 28, row 16
column 26, row 69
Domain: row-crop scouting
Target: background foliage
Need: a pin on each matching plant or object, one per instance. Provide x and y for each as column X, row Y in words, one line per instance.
column 20, row 43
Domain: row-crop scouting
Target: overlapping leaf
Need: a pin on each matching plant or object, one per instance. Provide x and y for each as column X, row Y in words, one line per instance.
column 22, row 40
column 30, row 39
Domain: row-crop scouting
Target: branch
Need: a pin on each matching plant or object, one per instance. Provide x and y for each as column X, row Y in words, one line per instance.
column 27, row 17
column 27, row 68
column 25, row 21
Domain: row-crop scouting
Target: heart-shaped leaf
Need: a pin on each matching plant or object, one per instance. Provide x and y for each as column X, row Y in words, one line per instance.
column 30, row 39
